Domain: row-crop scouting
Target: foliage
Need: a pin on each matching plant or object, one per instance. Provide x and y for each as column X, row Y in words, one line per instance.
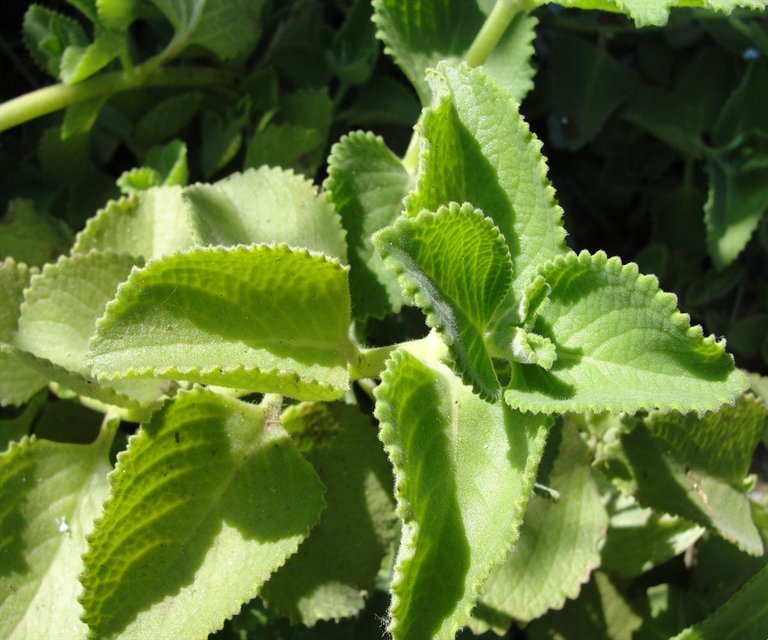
column 256, row 384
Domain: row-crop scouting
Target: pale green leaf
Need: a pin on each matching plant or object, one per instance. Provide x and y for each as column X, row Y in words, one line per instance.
column 31, row 237
column 639, row 539
column 367, row 183
column 334, row 569
column 455, row 265
column 743, row 617
column 264, row 318
column 80, row 62
column 477, row 148
column 559, row 543
column 150, row 224
column 51, row 494
column 602, row 612
column 418, row 34
column 694, row 467
column 47, row 34
column 622, row 345
column 170, row 162
column 210, row 498
column 116, row 14
column 17, row 382
column 265, row 205
column 58, row 318
column 138, row 179
column 656, row 12
column 464, row 470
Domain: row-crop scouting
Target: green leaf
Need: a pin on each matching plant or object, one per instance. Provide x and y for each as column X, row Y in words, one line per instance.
column 167, row 118
column 283, row 145
column 166, row 165
column 150, row 224
column 47, row 34
column 455, row 265
column 225, row 27
column 421, row 33
column 51, row 494
column 355, row 49
column 17, row 382
column 743, row 617
column 656, row 12
column 334, row 569
column 367, row 183
column 31, row 237
column 210, row 498
column 736, row 203
column 588, row 85
column 265, row 205
column 622, row 345
column 694, row 467
column 602, row 612
column 58, row 318
column 116, row 14
column 80, row 62
column 471, row 154
column 559, row 541
column 464, row 470
column 640, row 539
column 80, row 117
column 265, row 318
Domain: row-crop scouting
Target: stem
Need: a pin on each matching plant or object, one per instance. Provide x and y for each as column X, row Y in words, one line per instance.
column 369, row 363
column 493, row 29
column 59, row 96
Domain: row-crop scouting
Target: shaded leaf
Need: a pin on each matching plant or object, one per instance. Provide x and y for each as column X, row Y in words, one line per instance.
column 31, row 237
column 47, row 34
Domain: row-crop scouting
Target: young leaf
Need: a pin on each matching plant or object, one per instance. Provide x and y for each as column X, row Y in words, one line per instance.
column 477, row 148
column 559, row 541
column 265, row 318
column 80, row 62
column 116, row 14
column 742, row 617
column 456, row 267
column 80, row 117
column 149, row 225
column 464, row 470
column 208, row 500
column 622, row 345
column 51, row 494
column 17, row 382
column 335, row 567
column 265, row 205
column 639, row 539
column 367, row 183
column 47, row 34
column 419, row 34
column 694, row 467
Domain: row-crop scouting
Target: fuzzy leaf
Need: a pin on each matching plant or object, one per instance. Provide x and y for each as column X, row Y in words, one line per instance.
column 150, row 224
column 335, row 567
column 477, row 148
column 208, row 500
column 656, row 12
column 265, row 205
column 51, row 494
column 559, row 541
column 464, row 470
column 47, row 34
column 17, row 382
column 456, row 267
column 694, row 467
column 367, row 183
column 622, row 345
column 80, row 62
column 743, row 617
column 265, row 318
column 418, row 34
column 639, row 539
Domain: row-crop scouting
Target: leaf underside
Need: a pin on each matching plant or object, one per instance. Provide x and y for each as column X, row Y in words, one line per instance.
column 464, row 470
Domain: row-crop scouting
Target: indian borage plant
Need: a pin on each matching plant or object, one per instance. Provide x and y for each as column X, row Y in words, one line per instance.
column 177, row 304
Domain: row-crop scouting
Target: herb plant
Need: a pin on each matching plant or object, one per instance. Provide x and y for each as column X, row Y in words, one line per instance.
column 551, row 434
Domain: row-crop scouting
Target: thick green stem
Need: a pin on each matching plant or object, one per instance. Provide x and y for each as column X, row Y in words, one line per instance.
column 493, row 29
column 59, row 96
column 369, row 363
